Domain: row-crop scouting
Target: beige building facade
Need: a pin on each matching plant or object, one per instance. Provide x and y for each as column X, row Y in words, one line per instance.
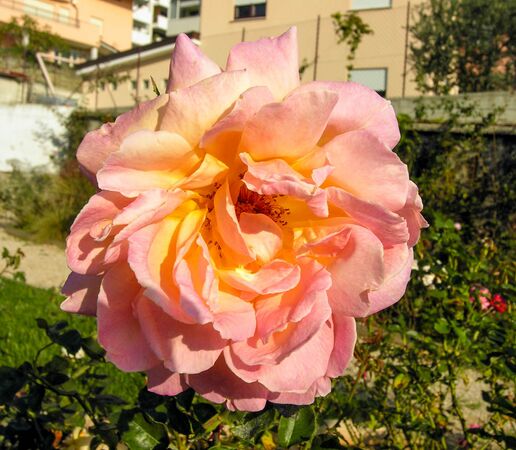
column 381, row 60
column 84, row 24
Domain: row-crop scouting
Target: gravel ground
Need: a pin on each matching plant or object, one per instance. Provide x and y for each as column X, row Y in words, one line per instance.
column 44, row 265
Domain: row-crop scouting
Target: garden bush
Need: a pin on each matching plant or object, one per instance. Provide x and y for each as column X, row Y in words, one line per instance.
column 435, row 371
column 41, row 203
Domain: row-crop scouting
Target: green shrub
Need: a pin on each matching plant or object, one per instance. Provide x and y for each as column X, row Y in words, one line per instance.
column 44, row 204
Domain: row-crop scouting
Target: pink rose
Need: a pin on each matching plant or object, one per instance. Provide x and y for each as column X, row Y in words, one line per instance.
column 242, row 222
column 482, row 294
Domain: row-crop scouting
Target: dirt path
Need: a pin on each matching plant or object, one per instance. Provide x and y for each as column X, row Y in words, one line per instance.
column 44, row 265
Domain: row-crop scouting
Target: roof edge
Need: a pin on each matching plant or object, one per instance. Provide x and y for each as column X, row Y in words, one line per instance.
column 144, row 51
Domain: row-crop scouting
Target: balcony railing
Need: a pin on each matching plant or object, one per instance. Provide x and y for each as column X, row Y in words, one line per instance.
column 142, row 14
column 141, row 37
column 161, row 22
column 184, row 25
column 47, row 14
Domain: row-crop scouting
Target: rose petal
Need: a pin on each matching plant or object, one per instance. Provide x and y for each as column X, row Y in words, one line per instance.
column 261, row 235
column 97, row 145
column 271, row 62
column 189, row 64
column 82, row 292
column 393, row 289
column 228, row 225
column 283, row 342
column 84, row 253
column 277, row 177
column 411, row 213
column 319, row 388
column 290, row 129
column 294, row 373
column 191, row 111
column 389, row 227
column 147, row 160
column 358, row 269
column 345, row 336
column 366, row 168
column 118, row 328
column 162, row 381
column 234, row 318
column 219, row 385
column 184, row 348
column 275, row 276
column 358, row 108
column 223, row 138
column 151, row 256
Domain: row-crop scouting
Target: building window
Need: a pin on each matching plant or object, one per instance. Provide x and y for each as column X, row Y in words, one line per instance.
column 246, row 9
column 372, row 78
column 39, row 8
column 146, row 83
column 180, row 9
column 134, row 85
column 370, row 4
column 64, row 15
column 189, row 9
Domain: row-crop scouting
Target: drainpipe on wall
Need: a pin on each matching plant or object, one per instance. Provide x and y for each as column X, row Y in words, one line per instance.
column 74, row 4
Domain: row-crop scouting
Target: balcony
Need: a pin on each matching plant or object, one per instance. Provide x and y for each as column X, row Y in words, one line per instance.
column 183, row 25
column 142, row 14
column 141, row 37
column 161, row 22
column 67, row 27
column 163, row 3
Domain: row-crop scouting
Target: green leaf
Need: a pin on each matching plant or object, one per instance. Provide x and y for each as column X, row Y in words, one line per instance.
column 71, row 340
column 297, row 428
column 143, row 435
column 155, row 87
column 254, row 425
column 178, row 420
column 441, row 326
column 92, row 348
column 11, row 381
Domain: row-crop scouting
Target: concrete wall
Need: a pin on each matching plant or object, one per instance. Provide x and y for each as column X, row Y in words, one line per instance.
column 30, row 134
column 485, row 103
column 11, row 90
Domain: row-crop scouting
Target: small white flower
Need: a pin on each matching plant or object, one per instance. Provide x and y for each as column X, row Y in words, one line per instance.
column 415, row 265
column 79, row 355
column 426, row 268
column 428, row 279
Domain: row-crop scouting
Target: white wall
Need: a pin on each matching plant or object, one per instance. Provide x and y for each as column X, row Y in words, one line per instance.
column 29, row 133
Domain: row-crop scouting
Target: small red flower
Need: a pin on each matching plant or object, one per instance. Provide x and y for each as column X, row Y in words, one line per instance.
column 499, row 303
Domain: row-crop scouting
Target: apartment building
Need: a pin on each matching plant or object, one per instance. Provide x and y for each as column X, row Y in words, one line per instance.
column 91, row 27
column 381, row 60
column 153, row 20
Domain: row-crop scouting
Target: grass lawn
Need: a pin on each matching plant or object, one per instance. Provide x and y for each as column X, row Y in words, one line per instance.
column 20, row 338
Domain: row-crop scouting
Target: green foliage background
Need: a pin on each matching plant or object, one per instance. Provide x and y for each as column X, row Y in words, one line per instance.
column 413, row 362
column 464, row 44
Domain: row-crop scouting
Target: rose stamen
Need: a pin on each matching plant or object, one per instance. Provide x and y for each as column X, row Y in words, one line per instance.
column 251, row 202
